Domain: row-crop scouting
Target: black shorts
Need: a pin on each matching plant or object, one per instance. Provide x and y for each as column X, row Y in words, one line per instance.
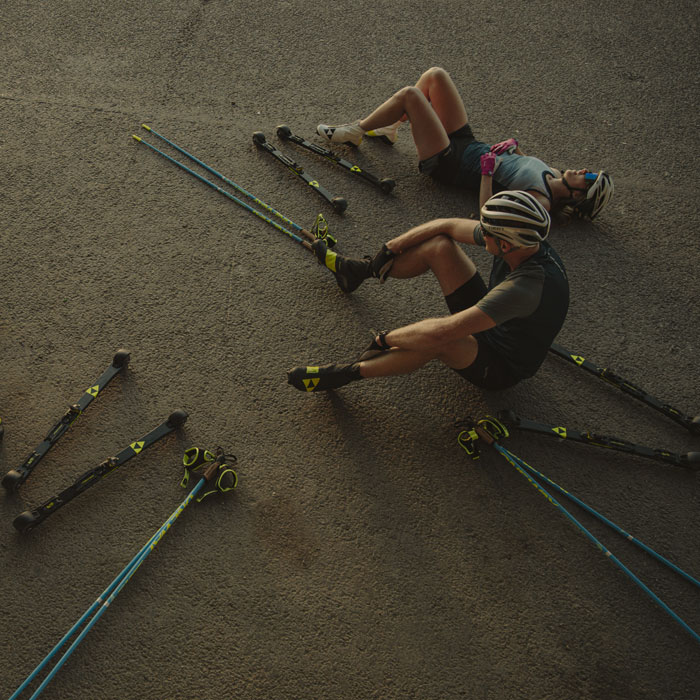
column 447, row 166
column 488, row 371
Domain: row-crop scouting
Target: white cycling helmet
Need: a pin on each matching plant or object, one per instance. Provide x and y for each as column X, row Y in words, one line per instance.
column 597, row 196
column 516, row 217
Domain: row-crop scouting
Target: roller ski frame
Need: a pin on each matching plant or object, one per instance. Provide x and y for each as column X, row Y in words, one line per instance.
column 16, row 477
column 338, row 203
column 690, row 460
column 30, row 519
column 284, row 133
column 692, row 425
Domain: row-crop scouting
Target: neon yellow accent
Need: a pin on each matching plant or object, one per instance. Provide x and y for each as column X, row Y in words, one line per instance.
column 356, row 169
column 561, row 432
column 148, row 128
column 135, row 137
column 312, row 370
column 314, row 183
column 578, row 359
column 137, row 446
column 311, row 384
column 330, row 260
column 93, row 390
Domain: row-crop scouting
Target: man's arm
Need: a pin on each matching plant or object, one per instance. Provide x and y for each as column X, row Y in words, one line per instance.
column 435, row 332
column 461, row 230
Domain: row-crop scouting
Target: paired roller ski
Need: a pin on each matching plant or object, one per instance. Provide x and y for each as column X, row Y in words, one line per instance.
column 690, row 460
column 16, row 477
column 30, row 519
column 338, row 203
column 386, row 185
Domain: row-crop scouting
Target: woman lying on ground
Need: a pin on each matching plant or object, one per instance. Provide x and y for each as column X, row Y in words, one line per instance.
column 449, row 152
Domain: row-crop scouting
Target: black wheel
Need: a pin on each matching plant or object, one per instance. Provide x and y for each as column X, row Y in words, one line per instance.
column 339, row 204
column 695, row 426
column 121, row 359
column 258, row 138
column 24, row 522
column 12, row 480
column 694, row 459
column 177, row 418
column 387, row 185
column 283, row 132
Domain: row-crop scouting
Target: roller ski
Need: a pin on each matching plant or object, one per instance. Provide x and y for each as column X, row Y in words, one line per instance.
column 338, row 203
column 689, row 460
column 691, row 424
column 384, row 184
column 16, row 477
column 28, row 520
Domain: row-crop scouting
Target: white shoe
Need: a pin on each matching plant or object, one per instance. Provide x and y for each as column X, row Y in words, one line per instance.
column 345, row 133
column 388, row 134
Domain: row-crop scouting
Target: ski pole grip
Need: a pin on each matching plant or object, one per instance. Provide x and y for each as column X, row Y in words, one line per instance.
column 210, row 472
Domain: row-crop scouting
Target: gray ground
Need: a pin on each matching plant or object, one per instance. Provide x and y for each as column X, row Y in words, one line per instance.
column 363, row 555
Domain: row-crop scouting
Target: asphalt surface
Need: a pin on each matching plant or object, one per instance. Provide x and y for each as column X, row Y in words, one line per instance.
column 363, row 554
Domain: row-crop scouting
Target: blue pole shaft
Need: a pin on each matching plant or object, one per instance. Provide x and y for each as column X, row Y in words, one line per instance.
column 225, row 193
column 515, row 461
column 104, row 600
column 224, row 178
column 611, row 524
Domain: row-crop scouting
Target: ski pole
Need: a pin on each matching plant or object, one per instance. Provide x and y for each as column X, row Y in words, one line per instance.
column 260, row 215
column 603, row 519
column 515, row 461
column 692, row 425
column 304, row 232
column 109, row 594
column 490, row 430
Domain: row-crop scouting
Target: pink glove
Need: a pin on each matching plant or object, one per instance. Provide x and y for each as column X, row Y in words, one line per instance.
column 507, row 146
column 488, row 163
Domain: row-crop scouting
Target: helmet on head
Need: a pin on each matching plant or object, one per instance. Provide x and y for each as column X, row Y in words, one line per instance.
column 516, row 217
column 597, row 196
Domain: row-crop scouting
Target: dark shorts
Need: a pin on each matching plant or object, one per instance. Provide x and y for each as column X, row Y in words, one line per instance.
column 460, row 163
column 488, row 370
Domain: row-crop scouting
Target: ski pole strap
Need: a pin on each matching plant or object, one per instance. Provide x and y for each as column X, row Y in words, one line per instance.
column 211, row 465
column 320, row 230
column 194, row 458
column 488, row 429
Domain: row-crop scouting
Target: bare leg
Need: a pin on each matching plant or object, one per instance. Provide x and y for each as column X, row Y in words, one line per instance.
column 458, row 355
column 450, row 264
column 433, row 107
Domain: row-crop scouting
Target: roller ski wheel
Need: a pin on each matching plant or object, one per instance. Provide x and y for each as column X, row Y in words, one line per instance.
column 283, row 132
column 387, row 185
column 121, row 358
column 694, row 427
column 24, row 522
column 12, row 480
column 177, row 418
column 258, row 138
column 340, row 204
